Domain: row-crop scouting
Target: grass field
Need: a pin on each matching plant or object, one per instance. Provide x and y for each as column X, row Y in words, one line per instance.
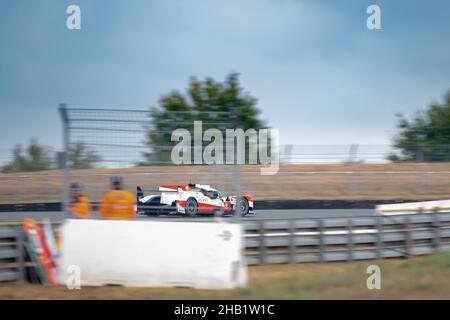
column 308, row 181
column 417, row 278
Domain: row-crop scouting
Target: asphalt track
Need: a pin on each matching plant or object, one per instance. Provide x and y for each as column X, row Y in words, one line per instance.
column 260, row 215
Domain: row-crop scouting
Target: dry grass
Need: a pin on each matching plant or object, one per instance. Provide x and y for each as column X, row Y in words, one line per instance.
column 308, row 181
column 417, row 278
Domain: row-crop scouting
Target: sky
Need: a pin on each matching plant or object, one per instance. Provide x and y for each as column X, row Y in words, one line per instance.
column 320, row 75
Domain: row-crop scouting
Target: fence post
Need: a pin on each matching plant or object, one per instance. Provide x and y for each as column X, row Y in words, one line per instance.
column 389, row 179
column 20, row 254
column 222, row 177
column 353, row 151
column 17, row 187
column 321, row 241
column 65, row 164
column 287, row 154
column 349, row 240
column 262, row 244
column 408, row 237
column 379, row 225
column 286, row 159
column 292, row 241
column 419, row 160
column 238, row 157
column 436, row 225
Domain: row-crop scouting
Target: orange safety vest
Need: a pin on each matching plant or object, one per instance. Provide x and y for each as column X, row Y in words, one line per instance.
column 118, row 204
column 81, row 208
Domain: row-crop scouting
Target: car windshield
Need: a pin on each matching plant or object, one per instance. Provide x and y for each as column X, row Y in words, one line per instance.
column 211, row 193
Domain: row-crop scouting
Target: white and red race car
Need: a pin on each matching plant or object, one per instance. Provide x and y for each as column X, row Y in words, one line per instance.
column 192, row 199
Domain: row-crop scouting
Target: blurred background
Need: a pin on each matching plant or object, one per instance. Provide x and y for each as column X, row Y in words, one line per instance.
column 362, row 114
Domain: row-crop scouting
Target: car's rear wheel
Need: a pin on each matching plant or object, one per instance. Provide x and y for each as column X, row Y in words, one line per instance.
column 242, row 206
column 191, row 207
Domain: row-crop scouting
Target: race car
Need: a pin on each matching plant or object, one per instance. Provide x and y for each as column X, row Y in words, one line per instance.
column 191, row 200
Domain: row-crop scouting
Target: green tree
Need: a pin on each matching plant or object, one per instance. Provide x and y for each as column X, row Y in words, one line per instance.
column 82, row 157
column 36, row 158
column 426, row 137
column 219, row 105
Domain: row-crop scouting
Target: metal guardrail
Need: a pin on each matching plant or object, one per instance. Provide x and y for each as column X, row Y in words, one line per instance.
column 338, row 239
column 12, row 256
column 301, row 240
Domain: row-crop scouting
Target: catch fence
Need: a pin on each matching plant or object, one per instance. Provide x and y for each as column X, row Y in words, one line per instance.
column 116, row 142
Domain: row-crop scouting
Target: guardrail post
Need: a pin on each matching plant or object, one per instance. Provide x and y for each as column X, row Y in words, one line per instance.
column 262, row 244
column 408, row 237
column 20, row 254
column 349, row 240
column 321, row 240
column 436, row 234
column 291, row 241
column 379, row 225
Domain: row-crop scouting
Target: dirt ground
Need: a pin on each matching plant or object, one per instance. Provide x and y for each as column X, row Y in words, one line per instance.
column 305, row 181
column 417, row 278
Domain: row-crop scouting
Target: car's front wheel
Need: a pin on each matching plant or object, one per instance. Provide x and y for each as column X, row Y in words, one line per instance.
column 191, row 207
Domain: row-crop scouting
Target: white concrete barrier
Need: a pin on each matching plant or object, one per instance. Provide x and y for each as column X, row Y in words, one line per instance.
column 154, row 253
column 413, row 207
